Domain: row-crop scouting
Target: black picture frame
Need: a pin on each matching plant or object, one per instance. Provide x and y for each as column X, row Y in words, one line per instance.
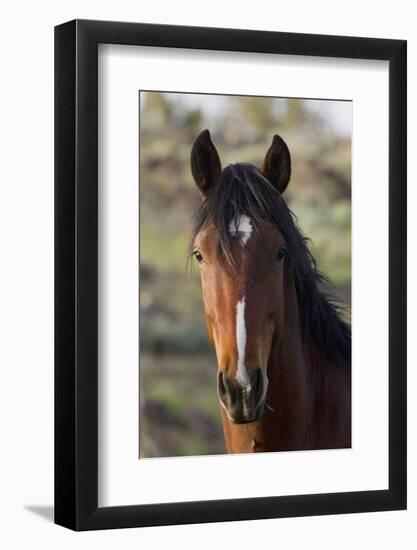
column 76, row 272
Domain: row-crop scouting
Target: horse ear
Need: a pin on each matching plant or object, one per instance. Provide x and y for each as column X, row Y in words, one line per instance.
column 277, row 164
column 205, row 162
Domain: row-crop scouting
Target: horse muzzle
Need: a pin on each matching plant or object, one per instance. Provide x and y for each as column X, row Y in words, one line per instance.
column 243, row 403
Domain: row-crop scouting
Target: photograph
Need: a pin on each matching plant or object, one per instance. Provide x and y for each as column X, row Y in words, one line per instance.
column 245, row 274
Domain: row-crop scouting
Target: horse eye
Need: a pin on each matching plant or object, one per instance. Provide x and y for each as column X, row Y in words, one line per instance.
column 198, row 256
column 282, row 253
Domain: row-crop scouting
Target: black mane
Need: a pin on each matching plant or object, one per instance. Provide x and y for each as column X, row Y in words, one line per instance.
column 242, row 190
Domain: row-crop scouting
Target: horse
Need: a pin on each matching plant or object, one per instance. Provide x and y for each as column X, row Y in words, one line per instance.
column 283, row 350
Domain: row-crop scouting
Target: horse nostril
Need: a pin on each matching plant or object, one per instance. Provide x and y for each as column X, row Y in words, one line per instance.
column 220, row 380
column 258, row 384
column 221, row 386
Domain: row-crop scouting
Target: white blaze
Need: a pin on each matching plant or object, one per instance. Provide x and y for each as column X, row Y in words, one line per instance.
column 241, row 374
column 241, row 227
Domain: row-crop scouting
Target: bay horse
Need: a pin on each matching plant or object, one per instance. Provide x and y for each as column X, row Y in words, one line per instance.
column 282, row 348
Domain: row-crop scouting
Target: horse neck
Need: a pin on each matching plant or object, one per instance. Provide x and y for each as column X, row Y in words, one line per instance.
column 309, row 390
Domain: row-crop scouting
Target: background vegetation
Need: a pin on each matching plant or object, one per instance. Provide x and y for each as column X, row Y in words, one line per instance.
column 179, row 412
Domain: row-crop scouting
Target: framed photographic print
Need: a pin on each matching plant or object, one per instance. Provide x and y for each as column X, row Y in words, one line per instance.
column 230, row 252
